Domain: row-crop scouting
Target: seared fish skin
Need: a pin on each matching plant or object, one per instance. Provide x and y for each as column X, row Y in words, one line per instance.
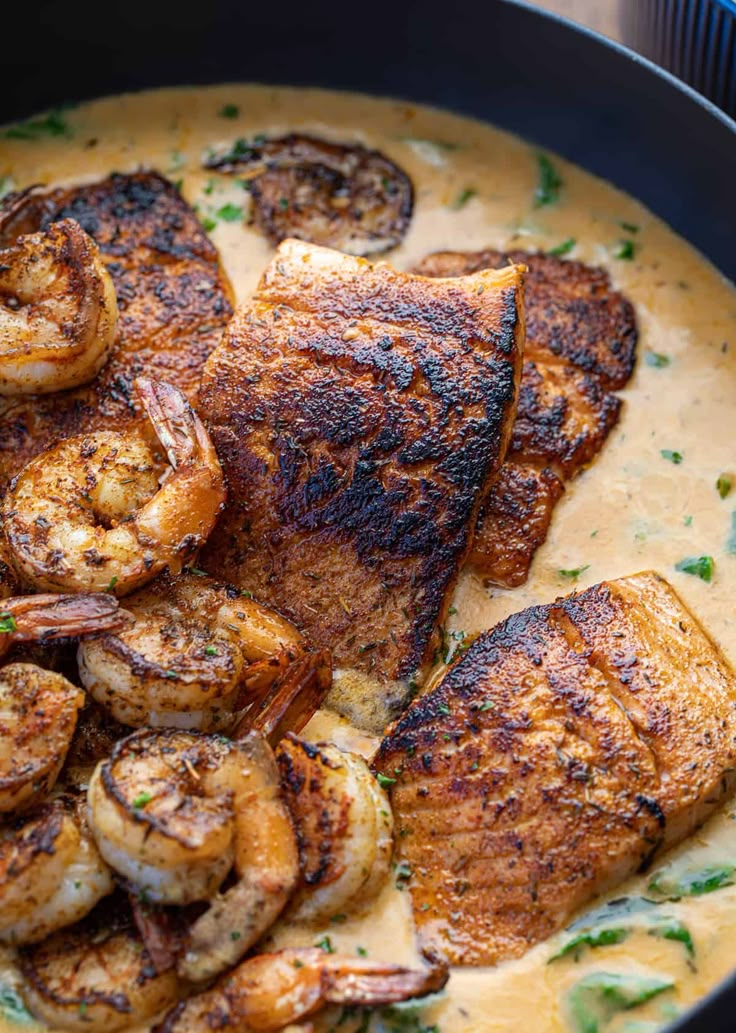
column 359, row 414
column 567, row 747
column 580, row 346
column 173, row 297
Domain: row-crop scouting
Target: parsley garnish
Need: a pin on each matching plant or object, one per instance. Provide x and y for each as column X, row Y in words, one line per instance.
column 403, row 874
column 657, row 359
column 548, row 184
column 698, row 566
column 564, row 248
column 111, row 583
column 574, row 572
column 674, row 457
column 208, row 224
column 210, row 651
column 626, row 250
column 51, row 124
column 235, row 935
column 463, row 197
column 630, row 227
column 325, row 944
column 229, row 213
column 7, row 623
column 724, row 485
column 385, row 781
column 229, row 111
column 142, row 799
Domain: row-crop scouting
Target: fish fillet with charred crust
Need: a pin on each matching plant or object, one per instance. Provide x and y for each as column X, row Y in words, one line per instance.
column 360, row 414
column 172, row 295
column 580, row 347
column 566, row 748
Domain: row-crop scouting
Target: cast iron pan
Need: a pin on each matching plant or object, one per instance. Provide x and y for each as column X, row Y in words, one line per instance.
column 561, row 87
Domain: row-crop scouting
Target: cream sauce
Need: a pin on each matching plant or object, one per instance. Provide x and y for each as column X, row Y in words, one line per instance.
column 633, row 509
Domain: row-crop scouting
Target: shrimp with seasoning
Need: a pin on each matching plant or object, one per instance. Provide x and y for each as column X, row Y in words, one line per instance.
column 38, row 708
column 91, row 513
column 344, row 828
column 173, row 812
column 96, row 975
column 58, row 311
column 195, row 654
column 270, row 991
column 51, row 873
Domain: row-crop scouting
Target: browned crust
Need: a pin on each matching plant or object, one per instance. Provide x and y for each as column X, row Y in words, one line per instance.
column 569, row 745
column 581, row 344
column 173, row 297
column 359, row 414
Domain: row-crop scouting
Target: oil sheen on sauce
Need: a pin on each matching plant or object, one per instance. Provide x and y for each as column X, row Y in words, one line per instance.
column 633, row 509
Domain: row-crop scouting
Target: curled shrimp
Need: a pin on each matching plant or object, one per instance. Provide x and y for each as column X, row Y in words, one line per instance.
column 173, row 812
column 196, row 652
column 344, row 828
column 51, row 873
column 95, row 975
column 90, row 514
column 58, row 311
column 270, row 991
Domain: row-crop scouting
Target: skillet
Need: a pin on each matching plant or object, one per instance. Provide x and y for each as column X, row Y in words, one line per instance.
column 534, row 74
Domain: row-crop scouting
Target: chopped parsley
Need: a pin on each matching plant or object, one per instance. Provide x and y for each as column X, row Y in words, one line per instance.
column 210, row 651
column 385, row 781
column 361, row 952
column 142, row 799
column 235, row 935
column 487, row 705
column 657, row 360
column 111, row 583
column 574, row 572
column 463, row 197
column 52, row 123
column 630, row 227
column 564, row 248
column 724, row 485
column 548, row 183
column 325, row 944
column 229, row 213
column 242, row 149
column 208, row 224
column 626, row 250
column 698, row 566
column 7, row 623
column 229, row 111
column 403, row 874
column 673, row 457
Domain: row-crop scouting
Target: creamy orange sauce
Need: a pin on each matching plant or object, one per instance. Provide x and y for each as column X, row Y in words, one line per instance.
column 633, row 509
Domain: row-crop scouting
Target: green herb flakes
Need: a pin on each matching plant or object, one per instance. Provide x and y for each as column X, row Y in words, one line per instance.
column 208, row 224
column 142, row 799
column 574, row 572
column 630, row 227
column 657, row 360
column 111, row 583
column 325, row 944
column 210, row 651
column 626, row 251
column 671, row 456
column 385, row 781
column 724, row 485
column 549, row 182
column 229, row 213
column 53, row 123
column 229, row 111
column 699, row 566
column 462, row 198
column 7, row 623
column 564, row 248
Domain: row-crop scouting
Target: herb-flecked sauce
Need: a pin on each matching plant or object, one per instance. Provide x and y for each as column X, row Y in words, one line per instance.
column 659, row 496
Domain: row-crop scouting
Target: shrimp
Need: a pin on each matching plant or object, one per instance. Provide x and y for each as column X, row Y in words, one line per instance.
column 96, row 975
column 344, row 828
column 270, row 991
column 197, row 651
column 172, row 812
column 51, row 873
column 58, row 311
column 90, row 513
column 47, row 618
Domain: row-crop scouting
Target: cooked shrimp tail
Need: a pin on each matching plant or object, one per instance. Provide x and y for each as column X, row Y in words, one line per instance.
column 178, row 428
column 271, row 991
column 288, row 703
column 58, row 311
column 46, row 618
